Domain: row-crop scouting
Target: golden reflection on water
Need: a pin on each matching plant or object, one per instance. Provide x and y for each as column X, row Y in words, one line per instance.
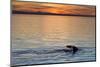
column 53, row 28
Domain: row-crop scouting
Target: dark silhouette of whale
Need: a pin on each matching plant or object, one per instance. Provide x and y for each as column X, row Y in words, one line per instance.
column 74, row 48
column 71, row 48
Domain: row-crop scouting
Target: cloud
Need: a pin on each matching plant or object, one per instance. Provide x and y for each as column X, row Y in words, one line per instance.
column 53, row 8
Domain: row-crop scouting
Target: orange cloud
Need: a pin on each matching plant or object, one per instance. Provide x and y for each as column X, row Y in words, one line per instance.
column 53, row 8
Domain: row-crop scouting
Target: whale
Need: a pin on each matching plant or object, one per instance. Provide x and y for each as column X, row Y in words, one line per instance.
column 73, row 48
column 69, row 48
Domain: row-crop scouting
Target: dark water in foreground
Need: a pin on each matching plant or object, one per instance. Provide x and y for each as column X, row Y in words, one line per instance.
column 46, row 55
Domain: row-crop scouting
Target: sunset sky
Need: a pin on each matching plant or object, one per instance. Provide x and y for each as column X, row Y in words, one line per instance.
column 88, row 2
column 53, row 8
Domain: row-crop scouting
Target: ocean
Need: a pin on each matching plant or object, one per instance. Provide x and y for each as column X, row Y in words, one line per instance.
column 40, row 39
column 48, row 55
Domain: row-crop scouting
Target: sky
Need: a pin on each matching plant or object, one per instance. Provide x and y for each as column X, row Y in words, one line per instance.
column 88, row 2
column 68, row 9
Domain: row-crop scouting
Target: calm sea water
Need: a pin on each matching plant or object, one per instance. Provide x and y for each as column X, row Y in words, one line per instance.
column 37, row 39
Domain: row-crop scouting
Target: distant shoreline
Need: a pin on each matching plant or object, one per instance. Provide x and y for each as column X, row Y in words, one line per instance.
column 45, row 13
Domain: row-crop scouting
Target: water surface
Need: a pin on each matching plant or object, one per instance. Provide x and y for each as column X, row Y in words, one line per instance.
column 51, row 30
column 37, row 39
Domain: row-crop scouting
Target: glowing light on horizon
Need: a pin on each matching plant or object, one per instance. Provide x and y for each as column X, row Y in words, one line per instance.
column 85, row 2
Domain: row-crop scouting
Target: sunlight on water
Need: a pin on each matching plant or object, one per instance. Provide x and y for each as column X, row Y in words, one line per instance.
column 41, row 30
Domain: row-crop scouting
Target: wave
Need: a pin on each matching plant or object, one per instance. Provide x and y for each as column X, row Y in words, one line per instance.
column 44, row 55
column 45, row 50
